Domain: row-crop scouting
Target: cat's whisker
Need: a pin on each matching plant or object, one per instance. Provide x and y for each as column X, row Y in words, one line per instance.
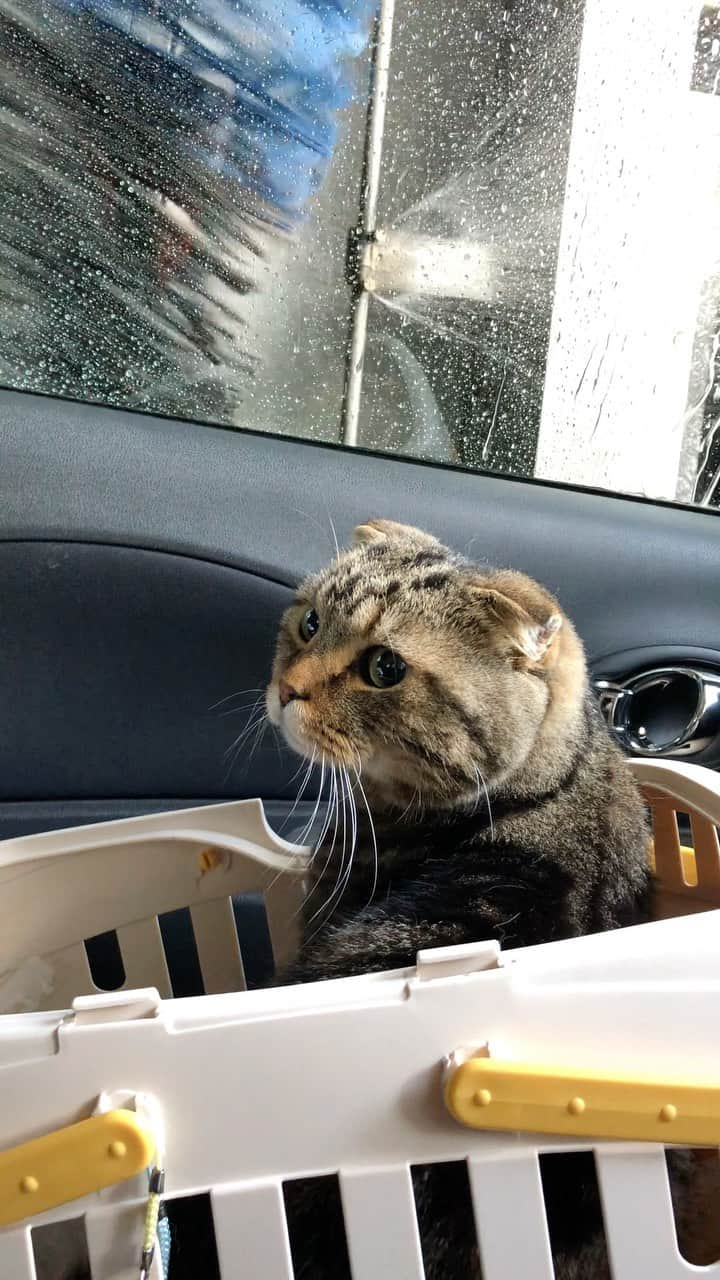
column 323, row 907
column 318, row 524
column 276, row 739
column 481, row 781
column 251, row 724
column 476, row 805
column 354, row 819
column 407, row 808
column 240, row 693
column 332, row 803
column 256, row 726
column 332, row 810
column 259, row 730
column 334, row 532
column 452, row 782
column 280, row 873
column 320, row 801
column 410, row 803
column 345, row 806
column 374, row 839
column 247, row 706
column 336, row 827
column 311, row 821
column 347, row 845
column 344, row 875
column 303, row 787
column 264, row 722
column 328, row 818
column 299, row 769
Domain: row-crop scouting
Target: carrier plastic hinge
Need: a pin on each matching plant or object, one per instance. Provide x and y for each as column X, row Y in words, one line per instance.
column 116, row 1006
column 485, row 1091
column 451, row 962
column 72, row 1162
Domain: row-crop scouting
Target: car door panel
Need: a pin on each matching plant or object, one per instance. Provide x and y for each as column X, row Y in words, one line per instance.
column 144, row 564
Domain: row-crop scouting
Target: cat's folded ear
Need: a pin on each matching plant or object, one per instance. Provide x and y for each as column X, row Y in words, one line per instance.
column 530, row 638
column 389, row 531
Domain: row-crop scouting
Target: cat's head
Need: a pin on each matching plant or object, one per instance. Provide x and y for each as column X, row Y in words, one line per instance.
column 429, row 675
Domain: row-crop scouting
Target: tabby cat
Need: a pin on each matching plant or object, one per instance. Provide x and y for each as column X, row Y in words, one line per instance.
column 458, row 700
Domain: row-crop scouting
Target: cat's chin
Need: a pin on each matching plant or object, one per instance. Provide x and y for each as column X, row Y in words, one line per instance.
column 297, row 742
column 398, row 789
column 284, row 722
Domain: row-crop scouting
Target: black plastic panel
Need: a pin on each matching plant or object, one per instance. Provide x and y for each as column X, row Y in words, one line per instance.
column 113, row 662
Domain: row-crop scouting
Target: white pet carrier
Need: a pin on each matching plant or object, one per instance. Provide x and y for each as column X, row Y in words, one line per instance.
column 609, row 1042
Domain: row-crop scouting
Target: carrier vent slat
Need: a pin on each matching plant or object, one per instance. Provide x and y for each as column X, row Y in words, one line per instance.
column 639, row 1223
column 510, row 1191
column 217, row 946
column 371, row 1197
column 251, row 1233
column 144, row 957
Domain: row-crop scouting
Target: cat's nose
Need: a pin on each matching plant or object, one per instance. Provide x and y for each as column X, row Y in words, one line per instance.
column 286, row 693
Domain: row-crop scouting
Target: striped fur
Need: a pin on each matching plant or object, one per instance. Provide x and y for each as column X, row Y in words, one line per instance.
column 502, row 810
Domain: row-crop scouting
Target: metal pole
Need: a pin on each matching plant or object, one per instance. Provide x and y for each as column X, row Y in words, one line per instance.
column 369, row 189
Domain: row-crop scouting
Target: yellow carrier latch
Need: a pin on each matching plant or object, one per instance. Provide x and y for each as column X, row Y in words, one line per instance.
column 492, row 1093
column 72, row 1162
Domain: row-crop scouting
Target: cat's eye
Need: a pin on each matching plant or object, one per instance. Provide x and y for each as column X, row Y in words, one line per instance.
column 383, row 668
column 309, row 625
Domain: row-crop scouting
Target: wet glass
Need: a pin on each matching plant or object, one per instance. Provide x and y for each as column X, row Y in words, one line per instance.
column 177, row 182
column 475, row 163
column 181, row 183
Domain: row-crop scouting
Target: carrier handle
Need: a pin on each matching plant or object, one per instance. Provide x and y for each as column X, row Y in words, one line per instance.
column 72, row 1162
column 491, row 1093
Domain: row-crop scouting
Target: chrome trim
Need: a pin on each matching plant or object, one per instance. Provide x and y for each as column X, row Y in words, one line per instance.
column 701, row 730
